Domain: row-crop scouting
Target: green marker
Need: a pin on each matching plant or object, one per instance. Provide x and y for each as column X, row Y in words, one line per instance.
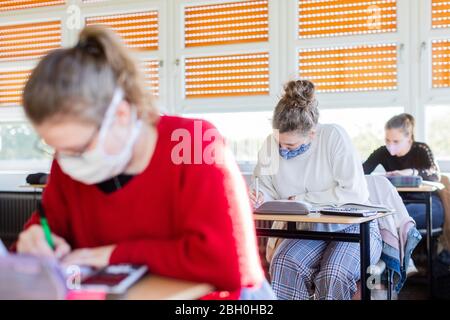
column 45, row 226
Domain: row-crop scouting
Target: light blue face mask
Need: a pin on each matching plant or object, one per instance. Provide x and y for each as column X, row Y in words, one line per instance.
column 289, row 154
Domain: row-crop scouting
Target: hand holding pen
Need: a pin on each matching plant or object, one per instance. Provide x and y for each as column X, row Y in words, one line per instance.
column 256, row 196
column 39, row 240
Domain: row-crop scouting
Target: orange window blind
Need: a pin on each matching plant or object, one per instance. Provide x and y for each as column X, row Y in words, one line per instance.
column 329, row 18
column 440, row 14
column 11, row 87
column 150, row 69
column 139, row 30
column 227, row 23
column 8, row 5
column 228, row 75
column 441, row 63
column 357, row 68
column 29, row 41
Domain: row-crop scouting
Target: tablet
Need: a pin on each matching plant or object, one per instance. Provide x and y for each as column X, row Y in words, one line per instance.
column 114, row 279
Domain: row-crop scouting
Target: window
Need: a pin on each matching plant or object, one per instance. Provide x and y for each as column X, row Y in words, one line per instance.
column 363, row 58
column 25, row 38
column 365, row 126
column 226, row 60
column 244, row 132
column 19, row 142
column 438, row 132
column 435, row 84
column 226, row 56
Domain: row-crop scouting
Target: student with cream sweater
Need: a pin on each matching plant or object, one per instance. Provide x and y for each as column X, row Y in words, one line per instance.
column 316, row 163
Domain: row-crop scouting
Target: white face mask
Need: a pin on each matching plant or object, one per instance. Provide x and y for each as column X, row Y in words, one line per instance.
column 395, row 149
column 96, row 165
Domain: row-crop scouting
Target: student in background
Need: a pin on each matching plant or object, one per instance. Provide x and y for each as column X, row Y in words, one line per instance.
column 116, row 194
column 316, row 163
column 404, row 156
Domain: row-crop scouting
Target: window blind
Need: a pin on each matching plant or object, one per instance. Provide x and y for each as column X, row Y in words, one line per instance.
column 227, row 75
column 330, row 18
column 441, row 63
column 11, row 87
column 29, row 41
column 138, row 30
column 356, row 68
column 440, row 14
column 227, row 23
column 151, row 75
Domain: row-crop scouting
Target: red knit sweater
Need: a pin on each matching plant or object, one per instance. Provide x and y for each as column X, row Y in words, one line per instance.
column 187, row 221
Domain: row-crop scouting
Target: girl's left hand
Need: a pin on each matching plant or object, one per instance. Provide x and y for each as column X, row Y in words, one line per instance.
column 93, row 257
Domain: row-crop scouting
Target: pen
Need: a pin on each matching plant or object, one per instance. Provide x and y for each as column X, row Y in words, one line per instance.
column 45, row 226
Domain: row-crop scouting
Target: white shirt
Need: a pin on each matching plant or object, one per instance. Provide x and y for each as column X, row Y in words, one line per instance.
column 330, row 172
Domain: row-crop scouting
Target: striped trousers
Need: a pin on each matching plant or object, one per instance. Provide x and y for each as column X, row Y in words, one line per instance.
column 325, row 270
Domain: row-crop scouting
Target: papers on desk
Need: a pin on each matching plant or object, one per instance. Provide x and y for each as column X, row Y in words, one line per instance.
column 360, row 206
column 437, row 185
column 302, row 208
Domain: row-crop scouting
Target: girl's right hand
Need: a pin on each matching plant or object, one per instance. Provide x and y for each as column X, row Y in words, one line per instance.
column 256, row 201
column 32, row 241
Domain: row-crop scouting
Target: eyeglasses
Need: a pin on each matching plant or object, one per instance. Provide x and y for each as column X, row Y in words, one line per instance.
column 41, row 146
column 44, row 148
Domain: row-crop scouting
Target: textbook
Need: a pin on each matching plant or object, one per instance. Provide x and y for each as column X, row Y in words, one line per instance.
column 348, row 212
column 359, row 206
column 303, row 208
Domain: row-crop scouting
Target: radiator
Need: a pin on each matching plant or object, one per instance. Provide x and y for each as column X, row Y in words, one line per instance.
column 15, row 209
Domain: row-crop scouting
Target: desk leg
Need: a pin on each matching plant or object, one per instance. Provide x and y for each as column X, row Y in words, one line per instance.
column 429, row 218
column 364, row 232
column 291, row 226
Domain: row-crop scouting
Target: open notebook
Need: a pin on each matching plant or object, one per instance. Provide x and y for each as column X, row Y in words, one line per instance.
column 303, row 208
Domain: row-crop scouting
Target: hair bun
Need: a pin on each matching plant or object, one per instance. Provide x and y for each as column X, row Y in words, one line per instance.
column 301, row 93
column 90, row 45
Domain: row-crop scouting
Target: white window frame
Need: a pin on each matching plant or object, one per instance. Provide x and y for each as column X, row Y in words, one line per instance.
column 352, row 99
column 16, row 113
column 225, row 104
column 68, row 38
column 429, row 96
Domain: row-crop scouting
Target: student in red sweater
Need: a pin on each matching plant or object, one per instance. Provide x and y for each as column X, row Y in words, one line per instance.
column 130, row 186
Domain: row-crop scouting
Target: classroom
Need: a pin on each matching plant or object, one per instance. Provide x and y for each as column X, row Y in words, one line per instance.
column 256, row 150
